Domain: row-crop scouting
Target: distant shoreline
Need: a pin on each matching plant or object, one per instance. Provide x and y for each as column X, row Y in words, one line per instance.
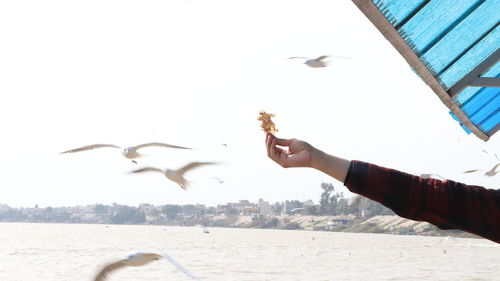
column 385, row 224
column 360, row 216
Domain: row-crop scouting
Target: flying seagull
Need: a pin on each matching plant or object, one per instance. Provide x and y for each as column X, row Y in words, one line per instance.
column 130, row 152
column 489, row 173
column 176, row 176
column 496, row 155
column 221, row 181
column 139, row 259
column 205, row 229
column 318, row 62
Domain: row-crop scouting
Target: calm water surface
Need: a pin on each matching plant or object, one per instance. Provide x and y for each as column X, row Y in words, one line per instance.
column 57, row 252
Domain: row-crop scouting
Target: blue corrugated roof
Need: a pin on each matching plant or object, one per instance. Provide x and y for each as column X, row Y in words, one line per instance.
column 457, row 43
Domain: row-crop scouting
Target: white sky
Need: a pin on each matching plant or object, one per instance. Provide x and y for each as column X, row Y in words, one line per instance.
column 196, row 73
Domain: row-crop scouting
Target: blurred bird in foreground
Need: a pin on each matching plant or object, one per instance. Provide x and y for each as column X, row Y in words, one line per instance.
column 321, row 61
column 139, row 259
column 490, row 173
column 130, row 152
column 432, row 176
column 176, row 176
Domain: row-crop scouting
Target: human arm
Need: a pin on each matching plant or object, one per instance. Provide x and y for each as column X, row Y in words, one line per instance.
column 446, row 204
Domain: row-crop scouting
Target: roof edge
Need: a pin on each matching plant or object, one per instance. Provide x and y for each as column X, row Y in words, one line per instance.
column 371, row 11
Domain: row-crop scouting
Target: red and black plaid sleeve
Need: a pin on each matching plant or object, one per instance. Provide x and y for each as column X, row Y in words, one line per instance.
column 446, row 204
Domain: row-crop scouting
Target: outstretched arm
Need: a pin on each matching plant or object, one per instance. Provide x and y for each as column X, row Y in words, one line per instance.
column 446, row 204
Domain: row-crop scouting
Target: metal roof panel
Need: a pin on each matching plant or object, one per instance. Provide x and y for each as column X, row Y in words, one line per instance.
column 400, row 10
column 435, row 20
column 459, row 40
column 478, row 53
column 454, row 47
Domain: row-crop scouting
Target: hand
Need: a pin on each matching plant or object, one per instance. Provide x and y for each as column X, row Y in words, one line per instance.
column 295, row 153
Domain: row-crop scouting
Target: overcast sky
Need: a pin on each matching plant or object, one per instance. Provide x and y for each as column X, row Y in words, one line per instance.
column 197, row 73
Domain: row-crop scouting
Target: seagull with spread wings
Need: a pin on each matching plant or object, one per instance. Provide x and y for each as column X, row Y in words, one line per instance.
column 130, row 152
column 139, row 259
column 487, row 152
column 176, row 176
column 321, row 61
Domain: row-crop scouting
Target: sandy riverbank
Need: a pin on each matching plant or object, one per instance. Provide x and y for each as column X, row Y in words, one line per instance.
column 378, row 224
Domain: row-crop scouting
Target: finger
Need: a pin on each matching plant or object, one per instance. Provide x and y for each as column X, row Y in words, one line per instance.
column 269, row 145
column 283, row 142
column 268, row 138
column 273, row 145
column 269, row 151
column 267, row 142
column 268, row 148
column 274, row 151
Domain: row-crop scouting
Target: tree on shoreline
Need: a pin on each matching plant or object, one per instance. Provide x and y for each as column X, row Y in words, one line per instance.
column 325, row 200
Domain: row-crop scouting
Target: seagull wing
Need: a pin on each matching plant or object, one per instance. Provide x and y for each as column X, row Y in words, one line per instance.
column 495, row 167
column 193, row 165
column 298, row 58
column 159, row 144
column 89, row 147
column 471, row 171
column 320, row 58
column 147, row 169
column 218, row 179
column 106, row 270
column 180, row 267
column 493, row 171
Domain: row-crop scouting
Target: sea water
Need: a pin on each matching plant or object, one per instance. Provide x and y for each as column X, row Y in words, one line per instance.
column 57, row 252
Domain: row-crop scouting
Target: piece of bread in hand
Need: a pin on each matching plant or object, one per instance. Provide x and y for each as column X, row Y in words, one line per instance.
column 267, row 124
